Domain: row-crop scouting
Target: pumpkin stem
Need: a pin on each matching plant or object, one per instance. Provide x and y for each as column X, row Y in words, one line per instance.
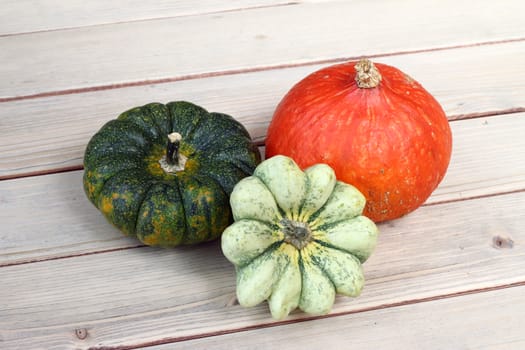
column 296, row 233
column 172, row 150
column 173, row 161
column 367, row 75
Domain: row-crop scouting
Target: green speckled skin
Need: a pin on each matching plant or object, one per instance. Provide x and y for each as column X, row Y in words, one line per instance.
column 298, row 239
column 124, row 180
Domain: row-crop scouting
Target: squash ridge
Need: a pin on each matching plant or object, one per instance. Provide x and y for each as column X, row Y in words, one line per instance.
column 197, row 118
column 111, row 177
column 316, row 261
column 355, row 255
column 271, row 248
column 142, row 203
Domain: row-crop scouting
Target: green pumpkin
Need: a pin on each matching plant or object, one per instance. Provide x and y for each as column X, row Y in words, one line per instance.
column 164, row 172
column 298, row 238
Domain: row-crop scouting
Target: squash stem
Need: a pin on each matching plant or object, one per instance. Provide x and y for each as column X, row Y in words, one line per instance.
column 172, row 150
column 296, row 233
column 367, row 75
column 173, row 160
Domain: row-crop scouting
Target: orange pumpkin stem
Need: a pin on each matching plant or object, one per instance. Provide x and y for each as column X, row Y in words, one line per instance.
column 367, row 76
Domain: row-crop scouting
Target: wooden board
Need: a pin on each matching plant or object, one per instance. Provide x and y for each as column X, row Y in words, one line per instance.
column 463, row 81
column 490, row 320
column 176, row 48
column 480, row 144
column 62, row 222
column 448, row 276
column 190, row 292
column 46, row 15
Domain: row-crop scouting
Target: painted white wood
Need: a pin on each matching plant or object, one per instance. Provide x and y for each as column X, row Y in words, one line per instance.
column 23, row 16
column 146, row 295
column 68, row 280
column 487, row 159
column 465, row 81
column 49, row 216
column 126, row 53
column 489, row 320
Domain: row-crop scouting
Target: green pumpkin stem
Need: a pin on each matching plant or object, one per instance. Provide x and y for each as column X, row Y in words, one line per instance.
column 173, row 160
column 172, row 150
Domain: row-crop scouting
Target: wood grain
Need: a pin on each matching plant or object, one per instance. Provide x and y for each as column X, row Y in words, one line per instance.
column 49, row 216
column 172, row 295
column 483, row 161
column 493, row 319
column 174, row 48
column 46, row 15
column 447, row 276
column 468, row 81
column 63, row 222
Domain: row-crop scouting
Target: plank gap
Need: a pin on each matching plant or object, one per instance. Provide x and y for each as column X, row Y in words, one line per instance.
column 102, row 251
column 206, row 13
column 42, row 172
column 140, row 245
column 457, row 117
column 432, row 268
column 212, row 74
column 165, row 341
column 260, row 142
column 503, row 193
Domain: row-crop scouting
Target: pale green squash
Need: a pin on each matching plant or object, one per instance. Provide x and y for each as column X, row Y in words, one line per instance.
column 298, row 238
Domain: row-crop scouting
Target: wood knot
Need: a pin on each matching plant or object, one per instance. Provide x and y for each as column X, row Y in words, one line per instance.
column 500, row 242
column 81, row 333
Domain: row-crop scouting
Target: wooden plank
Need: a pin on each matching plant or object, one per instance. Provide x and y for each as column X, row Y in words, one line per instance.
column 44, row 15
column 142, row 296
column 62, row 222
column 487, row 158
column 490, row 320
column 49, row 216
column 466, row 81
column 127, row 53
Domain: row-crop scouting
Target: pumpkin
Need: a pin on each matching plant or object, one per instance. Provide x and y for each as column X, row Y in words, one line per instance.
column 298, row 238
column 378, row 128
column 164, row 172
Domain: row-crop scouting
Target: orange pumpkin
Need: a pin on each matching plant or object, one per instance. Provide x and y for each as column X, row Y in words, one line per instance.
column 378, row 128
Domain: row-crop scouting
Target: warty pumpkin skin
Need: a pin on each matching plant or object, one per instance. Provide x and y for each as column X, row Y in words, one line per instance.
column 298, row 238
column 128, row 178
column 378, row 128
